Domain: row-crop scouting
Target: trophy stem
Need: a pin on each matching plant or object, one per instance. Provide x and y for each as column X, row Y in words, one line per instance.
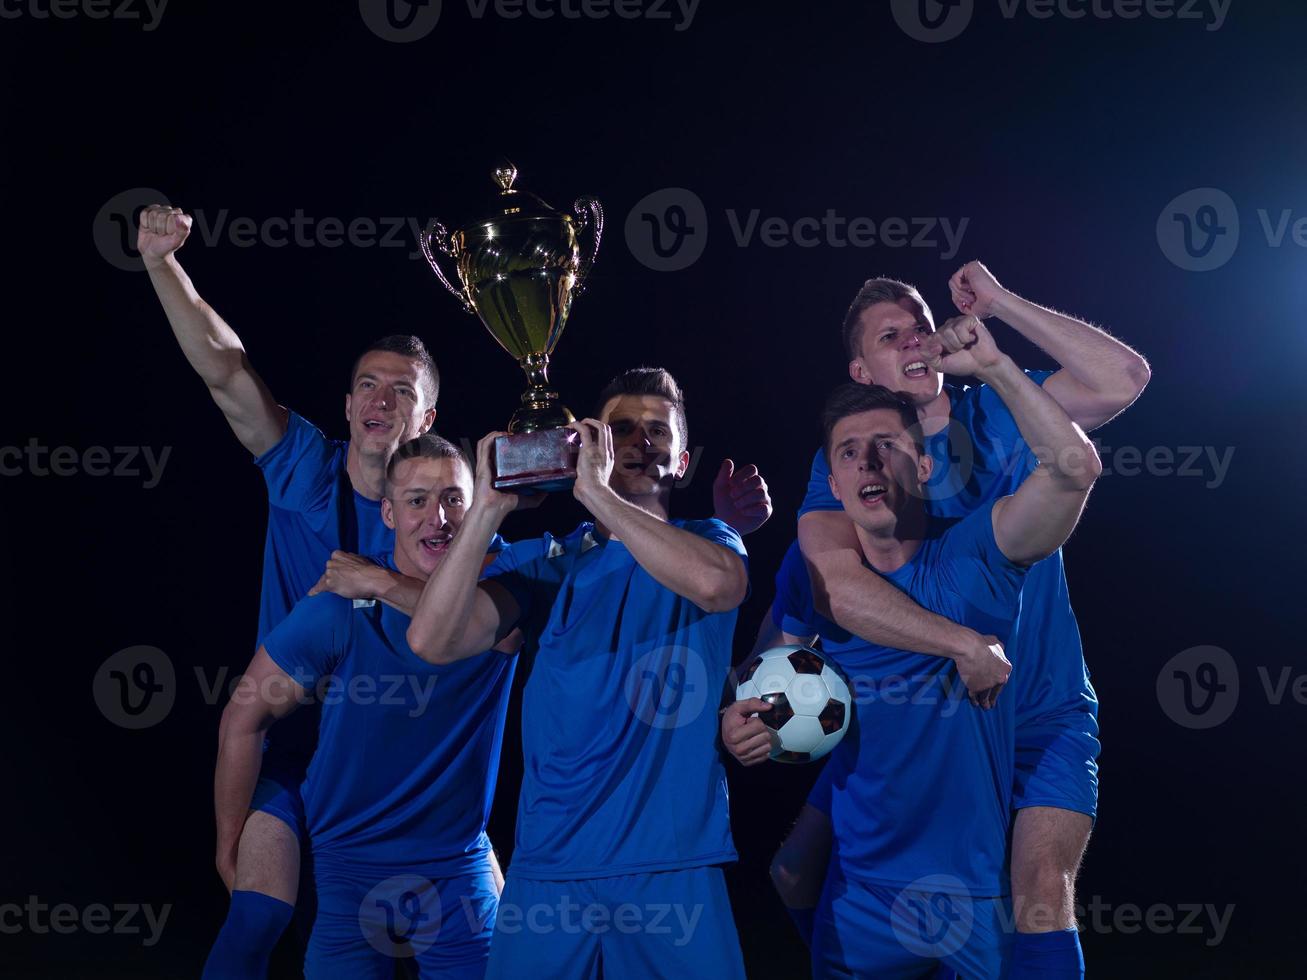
column 540, row 408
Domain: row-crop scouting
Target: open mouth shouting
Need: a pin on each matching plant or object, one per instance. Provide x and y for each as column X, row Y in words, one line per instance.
column 872, row 493
column 378, row 426
column 634, row 462
column 915, row 369
column 436, row 545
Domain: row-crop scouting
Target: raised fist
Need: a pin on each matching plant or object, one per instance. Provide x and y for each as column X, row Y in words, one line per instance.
column 975, row 290
column 161, row 231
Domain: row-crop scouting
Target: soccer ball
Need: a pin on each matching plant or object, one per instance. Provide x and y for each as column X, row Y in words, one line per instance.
column 811, row 704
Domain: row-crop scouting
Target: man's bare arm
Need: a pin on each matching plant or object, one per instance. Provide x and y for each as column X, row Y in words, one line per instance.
column 457, row 616
column 265, row 694
column 210, row 345
column 1037, row 520
column 850, row 594
column 1100, row 377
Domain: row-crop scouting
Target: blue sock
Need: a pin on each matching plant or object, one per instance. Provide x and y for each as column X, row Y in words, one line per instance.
column 1047, row 956
column 803, row 919
column 244, row 945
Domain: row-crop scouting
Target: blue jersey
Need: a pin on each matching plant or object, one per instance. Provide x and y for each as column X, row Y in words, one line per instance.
column 407, row 754
column 313, row 510
column 619, row 721
column 978, row 458
column 791, row 609
column 924, row 785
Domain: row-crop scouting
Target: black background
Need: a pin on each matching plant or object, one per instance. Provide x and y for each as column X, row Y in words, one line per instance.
column 1062, row 140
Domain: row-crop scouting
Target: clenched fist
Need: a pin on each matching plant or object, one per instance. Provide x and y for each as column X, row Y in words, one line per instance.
column 161, row 231
column 975, row 290
column 963, row 346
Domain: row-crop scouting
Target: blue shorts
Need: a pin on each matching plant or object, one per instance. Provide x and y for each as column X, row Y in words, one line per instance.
column 281, row 798
column 667, row 924
column 865, row 930
column 368, row 920
column 1057, row 764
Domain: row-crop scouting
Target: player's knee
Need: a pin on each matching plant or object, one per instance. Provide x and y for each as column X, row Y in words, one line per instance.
column 784, row 877
column 1044, row 896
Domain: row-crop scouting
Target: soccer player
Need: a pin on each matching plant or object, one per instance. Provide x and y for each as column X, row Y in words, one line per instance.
column 622, row 820
column 398, row 791
column 323, row 496
column 921, row 795
column 979, row 455
column 324, row 508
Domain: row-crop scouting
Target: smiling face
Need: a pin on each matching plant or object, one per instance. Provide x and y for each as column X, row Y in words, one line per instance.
column 889, row 351
column 425, row 502
column 649, row 457
column 876, row 469
column 387, row 405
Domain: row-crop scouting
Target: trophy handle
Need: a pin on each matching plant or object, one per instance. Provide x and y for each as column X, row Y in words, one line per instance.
column 589, row 216
column 435, row 230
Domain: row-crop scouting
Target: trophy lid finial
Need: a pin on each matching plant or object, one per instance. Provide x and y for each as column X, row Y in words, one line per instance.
column 505, row 174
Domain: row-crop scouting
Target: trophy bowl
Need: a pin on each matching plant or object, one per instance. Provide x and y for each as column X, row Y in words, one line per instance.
column 518, row 269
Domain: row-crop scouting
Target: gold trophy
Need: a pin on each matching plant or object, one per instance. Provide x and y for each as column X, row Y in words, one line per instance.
column 519, row 268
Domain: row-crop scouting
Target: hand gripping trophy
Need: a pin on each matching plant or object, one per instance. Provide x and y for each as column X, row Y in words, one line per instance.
column 518, row 269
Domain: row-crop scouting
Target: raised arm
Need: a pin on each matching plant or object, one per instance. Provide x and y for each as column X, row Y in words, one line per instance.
column 1035, row 521
column 210, row 345
column 1100, row 376
column 709, row 575
column 458, row 617
column 265, row 694
column 848, row 593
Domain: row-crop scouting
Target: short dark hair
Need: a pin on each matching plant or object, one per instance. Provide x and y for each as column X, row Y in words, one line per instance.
column 426, row 446
column 648, row 381
column 854, row 399
column 873, row 291
column 408, row 346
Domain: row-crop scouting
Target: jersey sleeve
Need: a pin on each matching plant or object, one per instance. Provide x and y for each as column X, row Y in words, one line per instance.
column 310, row 642
column 974, row 577
column 792, row 608
column 819, row 496
column 719, row 532
column 299, row 469
column 521, row 569
column 996, row 436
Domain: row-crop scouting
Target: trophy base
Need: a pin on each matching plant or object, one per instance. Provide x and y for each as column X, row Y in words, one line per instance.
column 543, row 460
